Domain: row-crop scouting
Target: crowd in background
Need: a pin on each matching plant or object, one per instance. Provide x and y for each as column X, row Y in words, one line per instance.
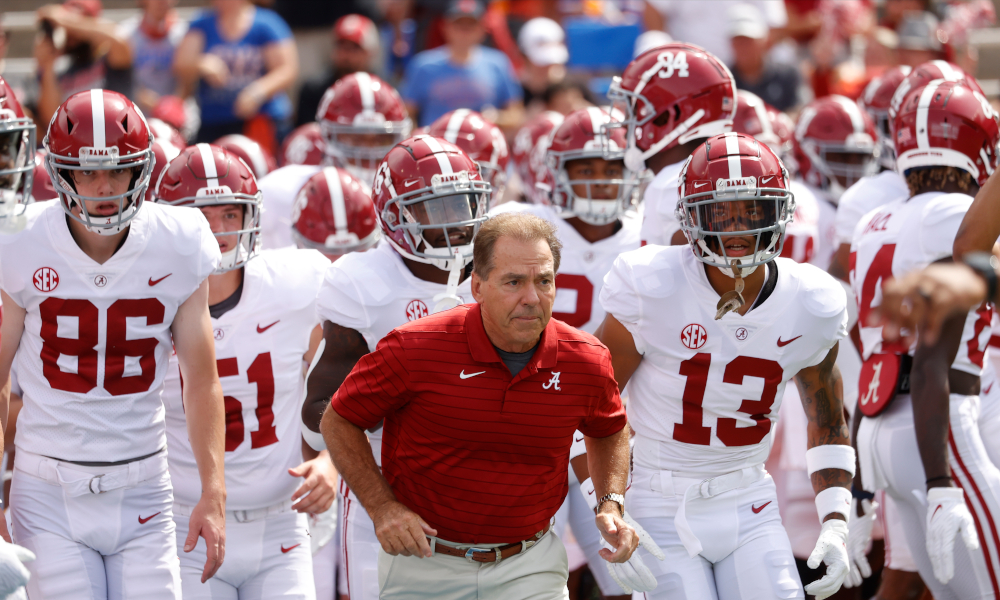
column 235, row 68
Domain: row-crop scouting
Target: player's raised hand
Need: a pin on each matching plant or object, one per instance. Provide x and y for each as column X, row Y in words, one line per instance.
column 947, row 518
column 208, row 520
column 831, row 548
column 859, row 538
column 633, row 574
column 402, row 531
column 319, row 486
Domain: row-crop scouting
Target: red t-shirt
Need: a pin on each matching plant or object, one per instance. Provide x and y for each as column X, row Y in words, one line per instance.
column 480, row 455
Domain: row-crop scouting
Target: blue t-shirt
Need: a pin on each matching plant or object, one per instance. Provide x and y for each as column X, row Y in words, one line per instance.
column 245, row 59
column 437, row 85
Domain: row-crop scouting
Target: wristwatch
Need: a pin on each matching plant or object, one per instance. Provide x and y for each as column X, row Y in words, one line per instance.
column 985, row 265
column 616, row 498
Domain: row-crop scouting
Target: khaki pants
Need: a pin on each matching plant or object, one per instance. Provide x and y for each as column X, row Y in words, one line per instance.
column 537, row 574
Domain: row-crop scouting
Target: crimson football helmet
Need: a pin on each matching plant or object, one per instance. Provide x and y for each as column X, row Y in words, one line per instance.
column 580, row 136
column 253, row 154
column 17, row 145
column 734, row 186
column 672, row 94
column 764, row 122
column 834, row 128
column 362, row 118
column 926, row 73
column 162, row 130
column 947, row 124
column 528, row 153
column 99, row 130
column 303, row 146
column 207, row 175
column 875, row 101
column 41, row 187
column 481, row 140
column 334, row 214
column 431, row 200
column 164, row 152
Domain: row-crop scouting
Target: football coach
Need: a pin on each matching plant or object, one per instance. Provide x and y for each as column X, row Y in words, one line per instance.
column 480, row 404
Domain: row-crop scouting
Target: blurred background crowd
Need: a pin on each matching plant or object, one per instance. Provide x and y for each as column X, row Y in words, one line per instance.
column 221, row 67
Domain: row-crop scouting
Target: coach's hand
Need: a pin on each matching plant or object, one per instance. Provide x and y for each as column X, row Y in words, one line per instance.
column 634, row 575
column 319, row 490
column 402, row 531
column 619, row 534
column 831, row 548
column 208, row 520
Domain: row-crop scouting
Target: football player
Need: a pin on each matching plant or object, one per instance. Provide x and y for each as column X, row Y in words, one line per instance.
column 923, row 401
column 707, row 336
column 361, row 117
column 260, row 161
column 481, row 140
column 430, row 200
column 262, row 306
column 528, row 154
column 95, row 289
column 589, row 202
column 303, row 146
column 674, row 97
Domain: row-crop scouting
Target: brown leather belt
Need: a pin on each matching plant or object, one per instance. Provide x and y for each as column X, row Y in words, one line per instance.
column 490, row 555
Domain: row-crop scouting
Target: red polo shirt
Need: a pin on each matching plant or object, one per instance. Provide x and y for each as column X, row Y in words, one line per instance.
column 480, row 455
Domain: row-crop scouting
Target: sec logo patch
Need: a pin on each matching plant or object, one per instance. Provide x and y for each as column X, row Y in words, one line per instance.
column 416, row 309
column 46, row 279
column 694, row 336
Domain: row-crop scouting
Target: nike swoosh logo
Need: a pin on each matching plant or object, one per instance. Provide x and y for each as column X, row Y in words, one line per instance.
column 988, row 388
column 409, row 183
column 153, row 282
column 143, row 521
column 590, row 493
column 462, row 375
column 783, row 343
column 700, row 184
column 757, row 509
column 766, row 179
column 579, row 439
column 935, row 511
column 286, row 550
column 263, row 329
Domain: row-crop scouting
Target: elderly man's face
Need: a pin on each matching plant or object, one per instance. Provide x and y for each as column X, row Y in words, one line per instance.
column 516, row 300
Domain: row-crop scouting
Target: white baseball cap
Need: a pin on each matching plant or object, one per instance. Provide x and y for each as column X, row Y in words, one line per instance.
column 543, row 41
column 746, row 20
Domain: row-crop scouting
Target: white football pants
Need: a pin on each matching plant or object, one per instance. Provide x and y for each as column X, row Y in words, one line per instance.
column 359, row 551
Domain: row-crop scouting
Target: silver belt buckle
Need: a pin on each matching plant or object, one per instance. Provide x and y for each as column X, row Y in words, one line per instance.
column 91, row 486
column 471, row 551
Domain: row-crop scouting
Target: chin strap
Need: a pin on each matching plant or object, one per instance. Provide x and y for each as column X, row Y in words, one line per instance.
column 449, row 297
column 733, row 299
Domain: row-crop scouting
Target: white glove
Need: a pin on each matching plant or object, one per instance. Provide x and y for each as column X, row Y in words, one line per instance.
column 947, row 516
column 13, row 575
column 831, row 548
column 859, row 540
column 322, row 528
column 633, row 574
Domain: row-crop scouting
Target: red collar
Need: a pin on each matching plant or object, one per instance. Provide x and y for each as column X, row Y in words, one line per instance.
column 482, row 349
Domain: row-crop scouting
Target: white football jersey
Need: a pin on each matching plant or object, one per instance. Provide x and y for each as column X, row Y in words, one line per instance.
column 373, row 293
column 97, row 338
column 583, row 265
column 259, row 348
column 904, row 236
column 826, row 209
column 864, row 196
column 709, row 391
column 659, row 223
column 802, row 234
column 279, row 189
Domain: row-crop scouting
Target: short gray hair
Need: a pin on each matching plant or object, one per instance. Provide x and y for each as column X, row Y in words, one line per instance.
column 520, row 226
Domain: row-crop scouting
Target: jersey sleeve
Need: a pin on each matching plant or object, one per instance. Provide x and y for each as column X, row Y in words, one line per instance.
column 620, row 298
column 208, row 256
column 376, row 386
column 939, row 225
column 608, row 414
column 848, row 215
column 825, row 302
column 340, row 301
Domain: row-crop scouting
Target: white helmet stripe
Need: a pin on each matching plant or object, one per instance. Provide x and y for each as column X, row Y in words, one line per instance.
column 948, row 72
column 336, row 199
column 733, row 150
column 97, row 113
column 922, row 109
column 256, row 154
column 853, row 112
column 365, row 87
column 455, row 124
column 439, row 153
column 765, row 122
column 597, row 119
column 208, row 160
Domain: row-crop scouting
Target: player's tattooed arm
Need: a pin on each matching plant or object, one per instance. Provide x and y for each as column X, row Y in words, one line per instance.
column 821, row 389
column 929, row 386
column 340, row 350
